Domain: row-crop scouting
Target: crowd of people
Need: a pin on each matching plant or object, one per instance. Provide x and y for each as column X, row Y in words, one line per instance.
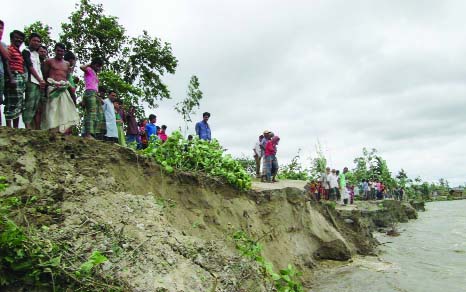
column 42, row 91
column 265, row 151
column 331, row 185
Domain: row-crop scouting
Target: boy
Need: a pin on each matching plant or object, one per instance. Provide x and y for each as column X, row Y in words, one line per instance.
column 91, row 81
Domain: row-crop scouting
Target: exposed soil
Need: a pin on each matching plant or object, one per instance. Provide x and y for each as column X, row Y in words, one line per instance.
column 170, row 232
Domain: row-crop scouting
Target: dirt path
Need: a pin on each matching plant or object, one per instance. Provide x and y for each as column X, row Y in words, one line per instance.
column 261, row 186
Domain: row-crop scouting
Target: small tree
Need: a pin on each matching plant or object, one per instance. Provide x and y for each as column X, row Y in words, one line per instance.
column 186, row 107
column 134, row 65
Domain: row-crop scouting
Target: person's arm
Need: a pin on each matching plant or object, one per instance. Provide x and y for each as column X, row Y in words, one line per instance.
column 198, row 130
column 8, row 73
column 4, row 52
column 46, row 72
column 84, row 67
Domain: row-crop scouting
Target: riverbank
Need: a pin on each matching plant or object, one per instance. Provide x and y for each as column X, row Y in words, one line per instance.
column 172, row 232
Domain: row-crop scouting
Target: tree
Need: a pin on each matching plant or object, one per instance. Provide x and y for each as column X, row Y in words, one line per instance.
column 371, row 166
column 186, row 107
column 402, row 178
column 318, row 164
column 134, row 66
column 43, row 30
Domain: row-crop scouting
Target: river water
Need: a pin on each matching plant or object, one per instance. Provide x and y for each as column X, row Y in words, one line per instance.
column 429, row 255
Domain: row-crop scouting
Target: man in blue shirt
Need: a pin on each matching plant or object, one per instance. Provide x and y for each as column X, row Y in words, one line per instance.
column 203, row 128
column 151, row 128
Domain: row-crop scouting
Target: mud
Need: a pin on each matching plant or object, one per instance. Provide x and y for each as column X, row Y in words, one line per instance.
column 174, row 232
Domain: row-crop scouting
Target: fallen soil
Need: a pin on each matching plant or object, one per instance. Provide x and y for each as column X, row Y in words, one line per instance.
column 173, row 232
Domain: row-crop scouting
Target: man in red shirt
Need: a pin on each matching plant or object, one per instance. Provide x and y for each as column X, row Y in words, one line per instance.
column 14, row 94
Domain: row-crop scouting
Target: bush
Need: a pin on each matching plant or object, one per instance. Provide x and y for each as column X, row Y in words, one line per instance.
column 198, row 155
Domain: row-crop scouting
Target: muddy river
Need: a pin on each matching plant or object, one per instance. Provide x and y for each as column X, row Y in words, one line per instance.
column 429, row 255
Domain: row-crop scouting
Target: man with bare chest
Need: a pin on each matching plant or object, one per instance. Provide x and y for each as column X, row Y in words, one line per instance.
column 60, row 112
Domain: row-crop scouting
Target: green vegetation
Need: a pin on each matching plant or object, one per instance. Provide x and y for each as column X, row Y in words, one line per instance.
column 248, row 164
column 28, row 257
column 294, row 169
column 198, row 156
column 286, row 280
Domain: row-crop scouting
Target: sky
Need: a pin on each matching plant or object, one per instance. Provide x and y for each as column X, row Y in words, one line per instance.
column 389, row 75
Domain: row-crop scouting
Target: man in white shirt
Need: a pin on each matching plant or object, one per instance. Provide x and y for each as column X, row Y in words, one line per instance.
column 325, row 183
column 258, row 153
column 35, row 82
column 333, row 184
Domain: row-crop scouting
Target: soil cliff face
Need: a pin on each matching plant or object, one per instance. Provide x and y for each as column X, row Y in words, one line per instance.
column 169, row 232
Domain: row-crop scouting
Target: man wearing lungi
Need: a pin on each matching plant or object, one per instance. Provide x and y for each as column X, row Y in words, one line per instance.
column 14, row 93
column 60, row 111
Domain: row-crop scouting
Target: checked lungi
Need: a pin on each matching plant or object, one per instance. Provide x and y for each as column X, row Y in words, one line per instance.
column 14, row 97
column 90, row 112
column 31, row 102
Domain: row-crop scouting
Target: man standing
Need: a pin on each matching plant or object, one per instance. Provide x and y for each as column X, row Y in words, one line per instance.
column 43, row 55
column 35, row 83
column 14, row 94
column 326, row 183
column 267, row 136
column 151, row 128
column 59, row 111
column 258, row 153
column 342, row 183
column 110, row 118
column 333, row 183
column 4, row 55
column 203, row 128
column 132, row 130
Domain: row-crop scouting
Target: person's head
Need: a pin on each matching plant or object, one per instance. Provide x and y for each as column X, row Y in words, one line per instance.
column 70, row 58
column 34, row 41
column 102, row 91
column 190, row 137
column 116, row 104
column 163, row 129
column 327, row 170
column 132, row 109
column 152, row 118
column 334, row 171
column 345, row 170
column 97, row 64
column 261, row 137
column 205, row 116
column 275, row 140
column 43, row 52
column 59, row 50
column 112, row 95
column 266, row 134
column 2, row 26
column 17, row 38
column 337, row 172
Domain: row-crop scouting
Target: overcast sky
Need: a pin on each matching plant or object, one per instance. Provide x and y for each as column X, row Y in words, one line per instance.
column 388, row 75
